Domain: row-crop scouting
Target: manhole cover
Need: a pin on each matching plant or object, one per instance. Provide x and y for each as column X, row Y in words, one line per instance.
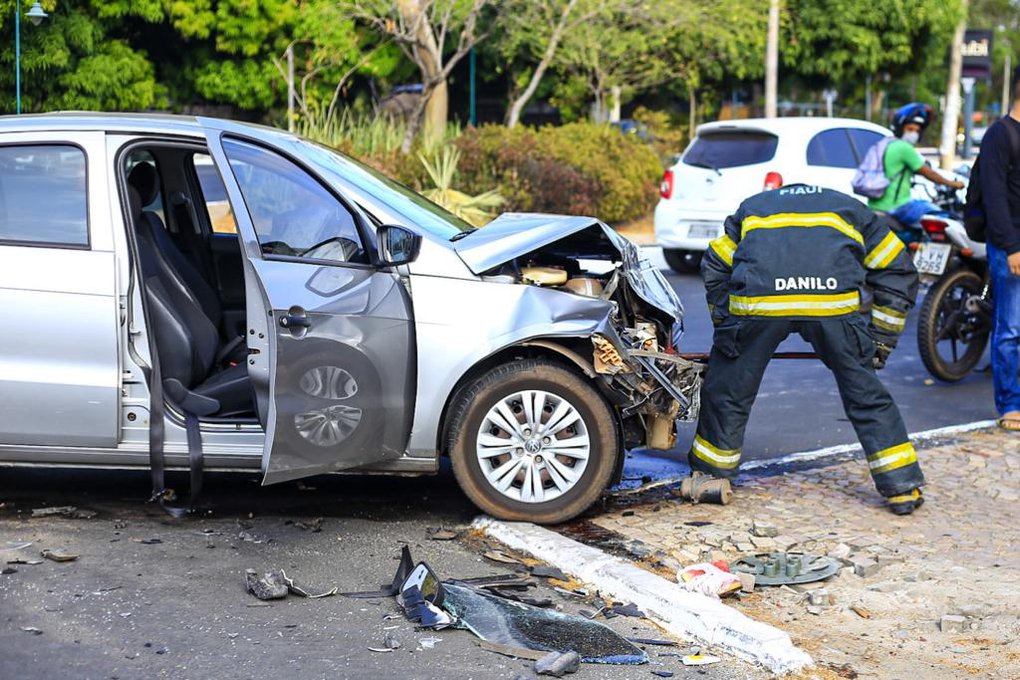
column 779, row 568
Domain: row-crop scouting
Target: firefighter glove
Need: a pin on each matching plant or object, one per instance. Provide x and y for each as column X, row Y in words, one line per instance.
column 882, row 352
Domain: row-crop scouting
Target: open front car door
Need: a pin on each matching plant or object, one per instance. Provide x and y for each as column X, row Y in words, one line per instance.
column 330, row 337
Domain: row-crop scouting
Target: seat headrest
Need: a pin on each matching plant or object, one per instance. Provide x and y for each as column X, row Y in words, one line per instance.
column 143, row 179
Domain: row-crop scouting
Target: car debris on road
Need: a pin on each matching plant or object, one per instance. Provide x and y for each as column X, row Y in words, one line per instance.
column 507, row 621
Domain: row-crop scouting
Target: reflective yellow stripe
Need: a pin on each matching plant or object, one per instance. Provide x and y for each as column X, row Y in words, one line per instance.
column 782, row 220
column 714, row 456
column 905, row 498
column 884, row 253
column 888, row 319
column 724, row 247
column 795, row 305
column 892, row 458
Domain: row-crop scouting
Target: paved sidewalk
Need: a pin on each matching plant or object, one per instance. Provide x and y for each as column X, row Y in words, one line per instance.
column 959, row 556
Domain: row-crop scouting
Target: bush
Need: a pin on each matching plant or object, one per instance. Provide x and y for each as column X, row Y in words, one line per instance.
column 578, row 168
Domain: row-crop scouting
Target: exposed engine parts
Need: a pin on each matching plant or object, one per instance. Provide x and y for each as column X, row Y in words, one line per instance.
column 635, row 356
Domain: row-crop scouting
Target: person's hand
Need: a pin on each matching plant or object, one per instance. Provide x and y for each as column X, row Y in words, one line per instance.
column 882, row 352
column 1014, row 263
column 956, row 184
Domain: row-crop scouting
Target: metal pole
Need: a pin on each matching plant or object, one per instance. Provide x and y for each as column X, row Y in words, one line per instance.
column 772, row 60
column 17, row 57
column 1006, row 72
column 968, row 115
column 290, row 87
column 471, row 87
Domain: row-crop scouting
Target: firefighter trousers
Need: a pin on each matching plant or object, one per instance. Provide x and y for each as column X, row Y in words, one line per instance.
column 740, row 352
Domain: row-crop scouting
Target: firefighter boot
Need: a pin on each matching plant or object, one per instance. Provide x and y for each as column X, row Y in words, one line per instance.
column 702, row 488
column 904, row 504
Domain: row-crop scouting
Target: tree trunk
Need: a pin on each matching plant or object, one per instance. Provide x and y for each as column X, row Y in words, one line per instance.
column 692, row 111
column 877, row 102
column 513, row 114
column 772, row 61
column 614, row 103
column 436, row 111
column 947, row 146
column 429, row 60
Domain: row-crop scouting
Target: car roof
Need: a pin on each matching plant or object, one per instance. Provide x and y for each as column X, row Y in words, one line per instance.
column 160, row 123
column 799, row 125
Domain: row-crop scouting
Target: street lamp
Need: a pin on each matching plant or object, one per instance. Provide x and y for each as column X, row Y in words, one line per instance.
column 35, row 15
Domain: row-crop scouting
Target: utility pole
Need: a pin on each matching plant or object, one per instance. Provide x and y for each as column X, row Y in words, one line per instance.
column 947, row 146
column 772, row 60
column 1006, row 94
column 968, row 115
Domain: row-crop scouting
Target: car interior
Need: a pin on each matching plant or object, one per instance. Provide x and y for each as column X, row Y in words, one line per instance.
column 189, row 257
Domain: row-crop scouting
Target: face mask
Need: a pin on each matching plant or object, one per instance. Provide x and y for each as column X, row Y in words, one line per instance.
column 912, row 137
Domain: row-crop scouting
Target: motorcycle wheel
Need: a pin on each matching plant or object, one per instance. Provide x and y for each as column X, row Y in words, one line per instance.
column 950, row 338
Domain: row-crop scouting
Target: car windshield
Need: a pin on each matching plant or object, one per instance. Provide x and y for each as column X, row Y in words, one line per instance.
column 730, row 149
column 418, row 210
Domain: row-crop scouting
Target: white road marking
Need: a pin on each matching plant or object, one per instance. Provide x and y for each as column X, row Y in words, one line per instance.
column 829, row 451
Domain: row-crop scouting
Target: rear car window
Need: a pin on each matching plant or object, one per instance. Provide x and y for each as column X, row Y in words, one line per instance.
column 731, row 149
column 864, row 140
column 832, row 149
column 214, row 193
column 43, row 196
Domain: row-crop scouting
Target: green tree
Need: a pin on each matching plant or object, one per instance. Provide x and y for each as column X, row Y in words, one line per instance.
column 842, row 42
column 78, row 59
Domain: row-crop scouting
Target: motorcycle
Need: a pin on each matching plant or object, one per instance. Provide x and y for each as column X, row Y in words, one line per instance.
column 955, row 319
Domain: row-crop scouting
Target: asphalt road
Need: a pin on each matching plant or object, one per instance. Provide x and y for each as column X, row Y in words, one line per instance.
column 154, row 597
column 798, row 408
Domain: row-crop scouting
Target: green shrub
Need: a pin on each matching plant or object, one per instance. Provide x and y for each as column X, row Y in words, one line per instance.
column 626, row 170
column 578, row 168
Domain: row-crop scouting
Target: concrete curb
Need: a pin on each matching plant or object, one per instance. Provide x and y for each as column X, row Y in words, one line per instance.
column 676, row 610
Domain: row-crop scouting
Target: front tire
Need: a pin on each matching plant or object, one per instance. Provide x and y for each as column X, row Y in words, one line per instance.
column 533, row 441
column 951, row 338
column 683, row 261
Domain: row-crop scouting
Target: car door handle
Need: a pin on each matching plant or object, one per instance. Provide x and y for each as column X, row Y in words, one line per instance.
column 295, row 321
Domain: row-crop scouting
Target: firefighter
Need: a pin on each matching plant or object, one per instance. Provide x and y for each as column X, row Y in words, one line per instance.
column 793, row 260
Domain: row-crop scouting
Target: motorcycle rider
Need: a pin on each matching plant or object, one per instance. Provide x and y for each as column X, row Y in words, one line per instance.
column 902, row 161
column 792, row 260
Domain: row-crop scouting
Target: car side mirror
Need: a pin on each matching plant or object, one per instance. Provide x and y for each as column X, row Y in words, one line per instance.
column 397, row 245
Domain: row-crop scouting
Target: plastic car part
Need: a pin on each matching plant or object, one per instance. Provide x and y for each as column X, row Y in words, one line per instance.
column 543, row 276
column 702, row 488
column 781, row 568
column 505, row 622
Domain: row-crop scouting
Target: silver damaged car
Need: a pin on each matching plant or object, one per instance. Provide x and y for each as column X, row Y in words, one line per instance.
column 207, row 294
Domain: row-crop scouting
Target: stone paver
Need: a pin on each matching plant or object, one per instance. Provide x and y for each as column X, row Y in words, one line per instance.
column 958, row 556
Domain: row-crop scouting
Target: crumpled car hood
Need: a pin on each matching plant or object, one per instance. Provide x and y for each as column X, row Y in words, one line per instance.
column 512, row 235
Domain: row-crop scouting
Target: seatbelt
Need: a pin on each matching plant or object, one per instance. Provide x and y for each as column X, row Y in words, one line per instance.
column 157, row 437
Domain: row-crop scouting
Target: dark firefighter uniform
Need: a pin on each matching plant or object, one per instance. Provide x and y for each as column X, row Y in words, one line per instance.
column 793, row 261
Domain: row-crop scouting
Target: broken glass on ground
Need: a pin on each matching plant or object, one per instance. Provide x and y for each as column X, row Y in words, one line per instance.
column 432, row 603
column 506, row 622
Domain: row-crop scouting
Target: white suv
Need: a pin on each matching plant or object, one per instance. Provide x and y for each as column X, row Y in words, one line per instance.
column 730, row 160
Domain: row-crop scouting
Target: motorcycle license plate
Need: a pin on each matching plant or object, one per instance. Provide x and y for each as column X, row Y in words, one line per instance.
column 932, row 258
column 709, row 230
